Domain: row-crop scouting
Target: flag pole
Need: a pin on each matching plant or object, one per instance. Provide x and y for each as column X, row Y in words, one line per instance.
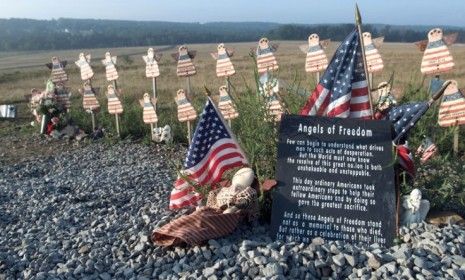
column 358, row 22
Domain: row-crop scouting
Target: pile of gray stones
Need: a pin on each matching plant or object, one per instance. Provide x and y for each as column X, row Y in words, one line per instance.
column 89, row 213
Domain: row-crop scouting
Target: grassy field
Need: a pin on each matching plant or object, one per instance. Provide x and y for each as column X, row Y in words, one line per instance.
column 21, row 71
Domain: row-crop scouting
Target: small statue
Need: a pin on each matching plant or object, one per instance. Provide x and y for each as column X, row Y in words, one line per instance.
column 384, row 100
column 162, row 134
column 269, row 88
column 414, row 209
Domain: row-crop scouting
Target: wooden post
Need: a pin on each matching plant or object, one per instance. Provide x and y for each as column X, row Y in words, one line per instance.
column 115, row 85
column 117, row 124
column 228, row 84
column 370, row 79
column 456, row 140
column 230, row 123
column 189, row 86
column 93, row 120
column 358, row 22
column 317, row 78
column 189, row 132
column 154, row 87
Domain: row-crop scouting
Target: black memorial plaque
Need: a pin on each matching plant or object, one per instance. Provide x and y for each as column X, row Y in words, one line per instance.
column 335, row 181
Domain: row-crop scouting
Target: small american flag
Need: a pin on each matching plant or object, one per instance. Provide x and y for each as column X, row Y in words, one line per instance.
column 427, row 150
column 213, row 150
column 404, row 118
column 343, row 89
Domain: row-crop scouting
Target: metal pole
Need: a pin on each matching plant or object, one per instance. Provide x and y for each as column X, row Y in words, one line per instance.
column 189, row 132
column 358, row 21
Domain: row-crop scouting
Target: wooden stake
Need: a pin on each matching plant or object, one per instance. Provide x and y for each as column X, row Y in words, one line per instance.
column 154, row 87
column 115, row 85
column 93, row 120
column 370, row 79
column 228, row 84
column 117, row 124
column 189, row 132
column 189, row 86
column 456, row 139
column 358, row 22
column 230, row 123
column 317, row 77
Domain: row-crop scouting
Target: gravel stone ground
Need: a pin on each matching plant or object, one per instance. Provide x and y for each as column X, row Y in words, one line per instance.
column 88, row 213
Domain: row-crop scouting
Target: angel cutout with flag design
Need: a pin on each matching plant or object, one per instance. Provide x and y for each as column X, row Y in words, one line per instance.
column 109, row 62
column 452, row 108
column 184, row 58
column 269, row 88
column 186, row 111
column 224, row 66
column 58, row 70
column 84, row 64
column 149, row 109
column 226, row 105
column 436, row 57
column 151, row 63
column 373, row 57
column 266, row 60
column 316, row 60
column 63, row 95
column 89, row 101
column 114, row 104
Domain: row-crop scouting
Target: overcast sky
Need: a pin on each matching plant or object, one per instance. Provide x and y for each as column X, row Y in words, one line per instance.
column 411, row 12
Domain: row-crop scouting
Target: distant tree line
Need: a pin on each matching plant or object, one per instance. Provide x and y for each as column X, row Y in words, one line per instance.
column 27, row 34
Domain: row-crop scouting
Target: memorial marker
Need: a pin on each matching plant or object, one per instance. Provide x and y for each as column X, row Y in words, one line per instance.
column 335, row 181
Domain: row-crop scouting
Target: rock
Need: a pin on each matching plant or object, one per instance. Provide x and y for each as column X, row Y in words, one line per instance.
column 350, row 259
column 105, row 276
column 272, row 269
column 339, row 260
column 373, row 262
column 84, row 249
column 209, row 271
column 440, row 218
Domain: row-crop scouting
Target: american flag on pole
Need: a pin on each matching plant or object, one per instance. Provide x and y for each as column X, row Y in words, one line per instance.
column 213, row 150
column 343, row 89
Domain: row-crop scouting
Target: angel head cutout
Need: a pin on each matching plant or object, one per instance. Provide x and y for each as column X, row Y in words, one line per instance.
column 89, row 101
column 63, row 95
column 186, row 111
column 316, row 60
column 452, row 108
column 148, row 104
column 373, row 57
column 436, row 57
column 269, row 88
column 114, row 104
column 384, row 99
column 58, row 70
column 184, row 58
column 84, row 64
column 110, row 69
column 266, row 60
column 226, row 105
column 224, row 66
column 151, row 63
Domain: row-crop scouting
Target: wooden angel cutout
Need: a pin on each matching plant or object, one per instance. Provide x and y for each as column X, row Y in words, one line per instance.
column 84, row 64
column 452, row 108
column 373, row 57
column 58, row 70
column 63, row 95
column 151, row 63
column 186, row 111
column 225, row 104
column 436, row 57
column 184, row 58
column 89, row 101
column 109, row 62
column 270, row 91
column 114, row 105
column 149, row 105
column 224, row 66
column 316, row 60
column 266, row 60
